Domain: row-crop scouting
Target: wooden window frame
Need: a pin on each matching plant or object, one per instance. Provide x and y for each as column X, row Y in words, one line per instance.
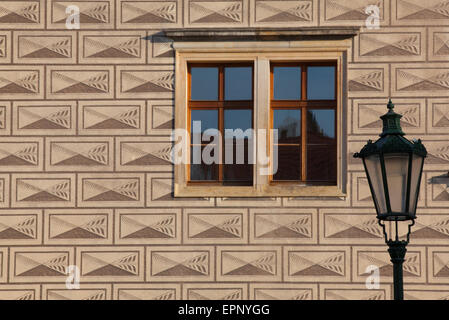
column 261, row 54
column 221, row 105
column 303, row 104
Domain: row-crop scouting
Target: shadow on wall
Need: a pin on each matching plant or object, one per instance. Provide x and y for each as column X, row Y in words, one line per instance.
column 441, row 179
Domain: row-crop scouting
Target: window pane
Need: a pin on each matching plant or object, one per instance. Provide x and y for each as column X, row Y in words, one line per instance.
column 237, row 166
column 321, row 83
column 208, row 119
column 321, row 126
column 238, row 83
column 321, row 163
column 240, row 173
column 238, row 146
column 289, row 163
column 204, row 84
column 287, row 83
column 288, row 124
column 237, row 119
column 202, row 171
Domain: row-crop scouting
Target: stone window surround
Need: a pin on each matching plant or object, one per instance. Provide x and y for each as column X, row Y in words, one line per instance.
column 262, row 46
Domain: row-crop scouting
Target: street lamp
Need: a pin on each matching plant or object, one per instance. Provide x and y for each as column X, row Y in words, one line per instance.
column 393, row 166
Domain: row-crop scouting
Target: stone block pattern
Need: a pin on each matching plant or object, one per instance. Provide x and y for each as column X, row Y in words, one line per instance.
column 85, row 177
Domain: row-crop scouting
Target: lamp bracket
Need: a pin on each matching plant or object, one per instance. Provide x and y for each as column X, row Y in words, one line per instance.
column 394, row 240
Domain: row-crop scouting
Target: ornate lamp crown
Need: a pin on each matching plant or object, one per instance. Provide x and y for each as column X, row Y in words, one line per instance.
column 391, row 121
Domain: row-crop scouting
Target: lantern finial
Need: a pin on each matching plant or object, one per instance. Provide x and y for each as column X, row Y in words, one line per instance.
column 391, row 122
column 390, row 105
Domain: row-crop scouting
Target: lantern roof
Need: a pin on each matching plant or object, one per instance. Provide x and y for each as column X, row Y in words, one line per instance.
column 392, row 138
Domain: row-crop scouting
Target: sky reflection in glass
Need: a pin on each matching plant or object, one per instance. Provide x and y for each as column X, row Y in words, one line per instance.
column 287, row 83
column 238, row 83
column 321, row 83
column 204, row 83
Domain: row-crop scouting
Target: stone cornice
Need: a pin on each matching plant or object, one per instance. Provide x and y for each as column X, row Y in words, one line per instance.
column 258, row 34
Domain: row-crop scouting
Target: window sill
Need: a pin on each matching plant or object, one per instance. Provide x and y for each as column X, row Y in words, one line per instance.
column 262, row 191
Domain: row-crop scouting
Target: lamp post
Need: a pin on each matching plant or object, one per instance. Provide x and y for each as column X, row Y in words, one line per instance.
column 393, row 166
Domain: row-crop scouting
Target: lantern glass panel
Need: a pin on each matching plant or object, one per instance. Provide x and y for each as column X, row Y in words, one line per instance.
column 414, row 181
column 396, row 169
column 374, row 172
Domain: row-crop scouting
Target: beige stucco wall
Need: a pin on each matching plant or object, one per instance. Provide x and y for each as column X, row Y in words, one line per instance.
column 77, row 107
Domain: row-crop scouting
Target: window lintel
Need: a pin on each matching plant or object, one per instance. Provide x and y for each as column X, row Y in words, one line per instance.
column 260, row 34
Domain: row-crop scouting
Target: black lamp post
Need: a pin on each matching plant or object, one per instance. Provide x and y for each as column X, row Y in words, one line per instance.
column 393, row 166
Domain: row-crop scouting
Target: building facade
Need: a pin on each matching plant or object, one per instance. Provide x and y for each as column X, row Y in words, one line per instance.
column 86, row 182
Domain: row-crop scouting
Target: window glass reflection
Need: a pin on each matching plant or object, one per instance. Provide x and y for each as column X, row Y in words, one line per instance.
column 289, row 163
column 238, row 147
column 321, row 83
column 321, row 126
column 202, row 171
column 321, row 163
column 204, row 83
column 238, row 83
column 287, row 83
column 208, row 119
column 237, row 119
column 288, row 124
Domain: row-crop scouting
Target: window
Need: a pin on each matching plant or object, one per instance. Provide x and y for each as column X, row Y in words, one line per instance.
column 303, row 106
column 296, row 88
column 220, row 100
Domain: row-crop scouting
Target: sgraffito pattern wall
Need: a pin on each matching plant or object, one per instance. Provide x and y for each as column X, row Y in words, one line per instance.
column 85, row 119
